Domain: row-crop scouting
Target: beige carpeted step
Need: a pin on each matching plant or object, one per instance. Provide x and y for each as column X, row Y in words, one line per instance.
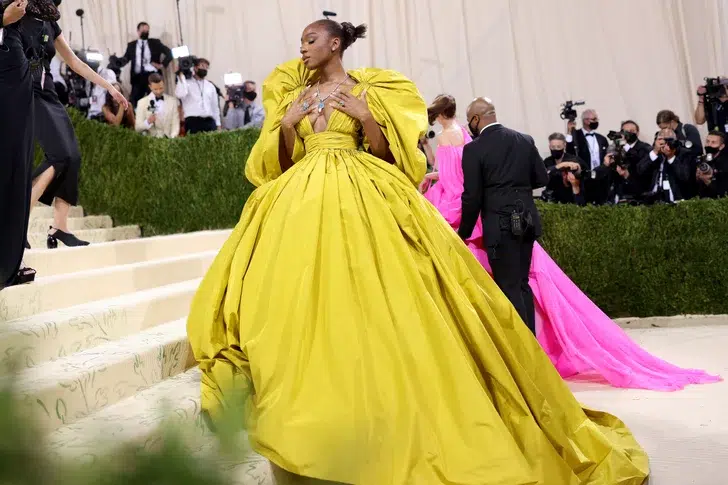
column 66, row 390
column 75, row 224
column 46, row 212
column 69, row 260
column 37, row 240
column 31, row 341
column 137, row 420
column 64, row 291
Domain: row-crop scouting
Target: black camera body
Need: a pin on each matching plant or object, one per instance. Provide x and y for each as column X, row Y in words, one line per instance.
column 567, row 110
column 715, row 88
column 235, row 94
column 619, row 155
column 116, row 63
column 185, row 65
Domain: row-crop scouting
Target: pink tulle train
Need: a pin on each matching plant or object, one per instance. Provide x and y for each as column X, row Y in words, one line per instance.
column 578, row 337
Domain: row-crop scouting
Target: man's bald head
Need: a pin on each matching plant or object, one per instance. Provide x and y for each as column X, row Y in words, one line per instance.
column 481, row 113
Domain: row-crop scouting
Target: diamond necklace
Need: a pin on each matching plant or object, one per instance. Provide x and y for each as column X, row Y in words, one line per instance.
column 322, row 101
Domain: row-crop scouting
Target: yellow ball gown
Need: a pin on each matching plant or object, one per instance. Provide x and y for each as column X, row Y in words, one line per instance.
column 376, row 348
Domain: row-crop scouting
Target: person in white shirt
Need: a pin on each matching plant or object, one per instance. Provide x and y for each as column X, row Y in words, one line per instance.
column 157, row 114
column 245, row 113
column 59, row 81
column 98, row 94
column 199, row 100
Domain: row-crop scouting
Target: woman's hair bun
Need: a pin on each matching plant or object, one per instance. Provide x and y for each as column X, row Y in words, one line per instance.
column 351, row 33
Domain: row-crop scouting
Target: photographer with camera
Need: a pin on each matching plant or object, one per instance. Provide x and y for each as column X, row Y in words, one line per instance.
column 199, row 100
column 623, row 182
column 687, row 134
column 713, row 104
column 668, row 167
column 241, row 111
column 590, row 148
column 564, row 171
column 712, row 171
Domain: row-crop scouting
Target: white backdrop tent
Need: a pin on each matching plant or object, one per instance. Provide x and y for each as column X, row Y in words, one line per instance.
column 627, row 58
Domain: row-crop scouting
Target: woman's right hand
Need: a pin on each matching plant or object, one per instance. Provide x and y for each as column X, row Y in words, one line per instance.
column 299, row 109
column 14, row 12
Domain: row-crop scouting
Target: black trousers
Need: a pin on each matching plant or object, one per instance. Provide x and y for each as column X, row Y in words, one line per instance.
column 54, row 133
column 16, row 152
column 195, row 124
column 139, row 87
column 510, row 261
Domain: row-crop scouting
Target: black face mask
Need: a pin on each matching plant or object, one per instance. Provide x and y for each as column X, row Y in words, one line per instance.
column 202, row 73
column 712, row 150
column 57, row 2
column 630, row 137
column 593, row 125
column 250, row 95
column 144, row 36
column 474, row 131
column 557, row 154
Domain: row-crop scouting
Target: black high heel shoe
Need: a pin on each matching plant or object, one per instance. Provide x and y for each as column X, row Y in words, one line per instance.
column 65, row 237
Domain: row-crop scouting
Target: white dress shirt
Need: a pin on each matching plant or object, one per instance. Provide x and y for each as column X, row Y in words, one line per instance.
column 199, row 98
column 662, row 181
column 98, row 93
column 593, row 144
column 143, row 57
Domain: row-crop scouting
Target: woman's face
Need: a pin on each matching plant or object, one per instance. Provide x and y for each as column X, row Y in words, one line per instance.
column 317, row 46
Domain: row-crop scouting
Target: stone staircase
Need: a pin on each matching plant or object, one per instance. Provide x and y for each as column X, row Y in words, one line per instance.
column 100, row 342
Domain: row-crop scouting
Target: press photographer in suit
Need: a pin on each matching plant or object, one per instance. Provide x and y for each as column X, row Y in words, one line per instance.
column 501, row 168
column 147, row 56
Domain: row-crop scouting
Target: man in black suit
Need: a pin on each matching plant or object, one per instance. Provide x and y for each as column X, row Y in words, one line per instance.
column 591, row 147
column 147, row 56
column 713, row 183
column 502, row 168
column 668, row 166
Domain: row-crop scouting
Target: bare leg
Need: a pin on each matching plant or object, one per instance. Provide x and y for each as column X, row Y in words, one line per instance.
column 61, row 208
column 40, row 184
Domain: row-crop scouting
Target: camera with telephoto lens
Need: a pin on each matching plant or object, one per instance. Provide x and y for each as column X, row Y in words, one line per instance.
column 617, row 152
column 567, row 110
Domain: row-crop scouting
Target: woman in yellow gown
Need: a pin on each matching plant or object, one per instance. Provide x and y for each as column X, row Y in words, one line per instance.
column 375, row 348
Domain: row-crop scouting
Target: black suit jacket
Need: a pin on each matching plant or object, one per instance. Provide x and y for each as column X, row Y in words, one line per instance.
column 501, row 168
column 678, row 172
column 580, row 148
column 161, row 54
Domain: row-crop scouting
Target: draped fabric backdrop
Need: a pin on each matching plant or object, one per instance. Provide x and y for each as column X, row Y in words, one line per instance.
column 626, row 58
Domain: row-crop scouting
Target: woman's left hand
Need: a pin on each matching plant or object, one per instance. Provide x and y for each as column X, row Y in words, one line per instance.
column 356, row 107
column 119, row 98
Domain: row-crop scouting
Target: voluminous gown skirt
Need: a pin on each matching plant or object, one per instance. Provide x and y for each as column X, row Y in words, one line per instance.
column 16, row 153
column 375, row 347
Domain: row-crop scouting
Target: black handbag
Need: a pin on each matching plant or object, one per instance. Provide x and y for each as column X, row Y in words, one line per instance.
column 44, row 10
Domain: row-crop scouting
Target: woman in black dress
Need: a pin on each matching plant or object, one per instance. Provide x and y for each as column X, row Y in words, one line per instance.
column 16, row 146
column 55, row 181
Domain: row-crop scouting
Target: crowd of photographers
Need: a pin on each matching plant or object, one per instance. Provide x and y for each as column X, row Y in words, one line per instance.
column 586, row 167
column 194, row 107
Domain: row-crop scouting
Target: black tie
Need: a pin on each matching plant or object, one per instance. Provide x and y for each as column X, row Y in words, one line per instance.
column 246, row 119
column 590, row 134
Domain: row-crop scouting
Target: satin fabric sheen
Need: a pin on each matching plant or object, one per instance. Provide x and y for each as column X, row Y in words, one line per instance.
column 578, row 337
column 375, row 347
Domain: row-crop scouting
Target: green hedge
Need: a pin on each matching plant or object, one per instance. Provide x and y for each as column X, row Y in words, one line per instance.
column 632, row 261
column 165, row 186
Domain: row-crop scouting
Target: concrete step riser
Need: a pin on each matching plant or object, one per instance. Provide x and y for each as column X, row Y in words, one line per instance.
column 62, row 392
column 74, row 224
column 58, row 292
column 32, row 341
column 38, row 240
column 46, row 212
column 70, row 260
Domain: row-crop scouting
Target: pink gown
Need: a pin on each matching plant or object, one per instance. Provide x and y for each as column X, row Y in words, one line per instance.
column 578, row 337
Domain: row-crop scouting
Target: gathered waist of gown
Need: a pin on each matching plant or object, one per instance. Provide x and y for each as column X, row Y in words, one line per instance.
column 330, row 140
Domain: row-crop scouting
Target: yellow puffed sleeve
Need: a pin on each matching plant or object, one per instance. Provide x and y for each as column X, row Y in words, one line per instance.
column 398, row 107
column 280, row 89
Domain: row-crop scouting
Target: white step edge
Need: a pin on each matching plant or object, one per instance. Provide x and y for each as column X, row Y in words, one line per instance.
column 30, row 341
column 139, row 420
column 38, row 240
column 64, row 291
column 70, row 260
column 66, row 390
